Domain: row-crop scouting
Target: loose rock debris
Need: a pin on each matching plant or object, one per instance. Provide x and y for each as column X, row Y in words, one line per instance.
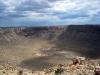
column 79, row 66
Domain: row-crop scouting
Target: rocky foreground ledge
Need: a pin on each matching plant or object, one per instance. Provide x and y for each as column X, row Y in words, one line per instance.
column 79, row 66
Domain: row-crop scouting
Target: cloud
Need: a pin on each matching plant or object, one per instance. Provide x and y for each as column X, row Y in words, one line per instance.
column 55, row 0
column 16, row 14
column 2, row 7
column 71, row 16
column 33, row 5
column 49, row 12
column 76, row 9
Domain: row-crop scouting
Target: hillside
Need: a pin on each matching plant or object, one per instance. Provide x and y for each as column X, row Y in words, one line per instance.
column 28, row 46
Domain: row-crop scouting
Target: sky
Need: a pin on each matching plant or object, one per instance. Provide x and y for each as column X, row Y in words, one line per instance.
column 48, row 12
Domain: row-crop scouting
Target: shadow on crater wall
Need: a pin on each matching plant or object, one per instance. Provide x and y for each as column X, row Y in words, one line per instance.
column 82, row 39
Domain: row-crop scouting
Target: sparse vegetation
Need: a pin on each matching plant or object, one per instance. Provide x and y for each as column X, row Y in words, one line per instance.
column 20, row 72
column 4, row 72
column 59, row 71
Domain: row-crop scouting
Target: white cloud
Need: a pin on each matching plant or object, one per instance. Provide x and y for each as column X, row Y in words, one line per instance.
column 63, row 6
column 51, row 11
